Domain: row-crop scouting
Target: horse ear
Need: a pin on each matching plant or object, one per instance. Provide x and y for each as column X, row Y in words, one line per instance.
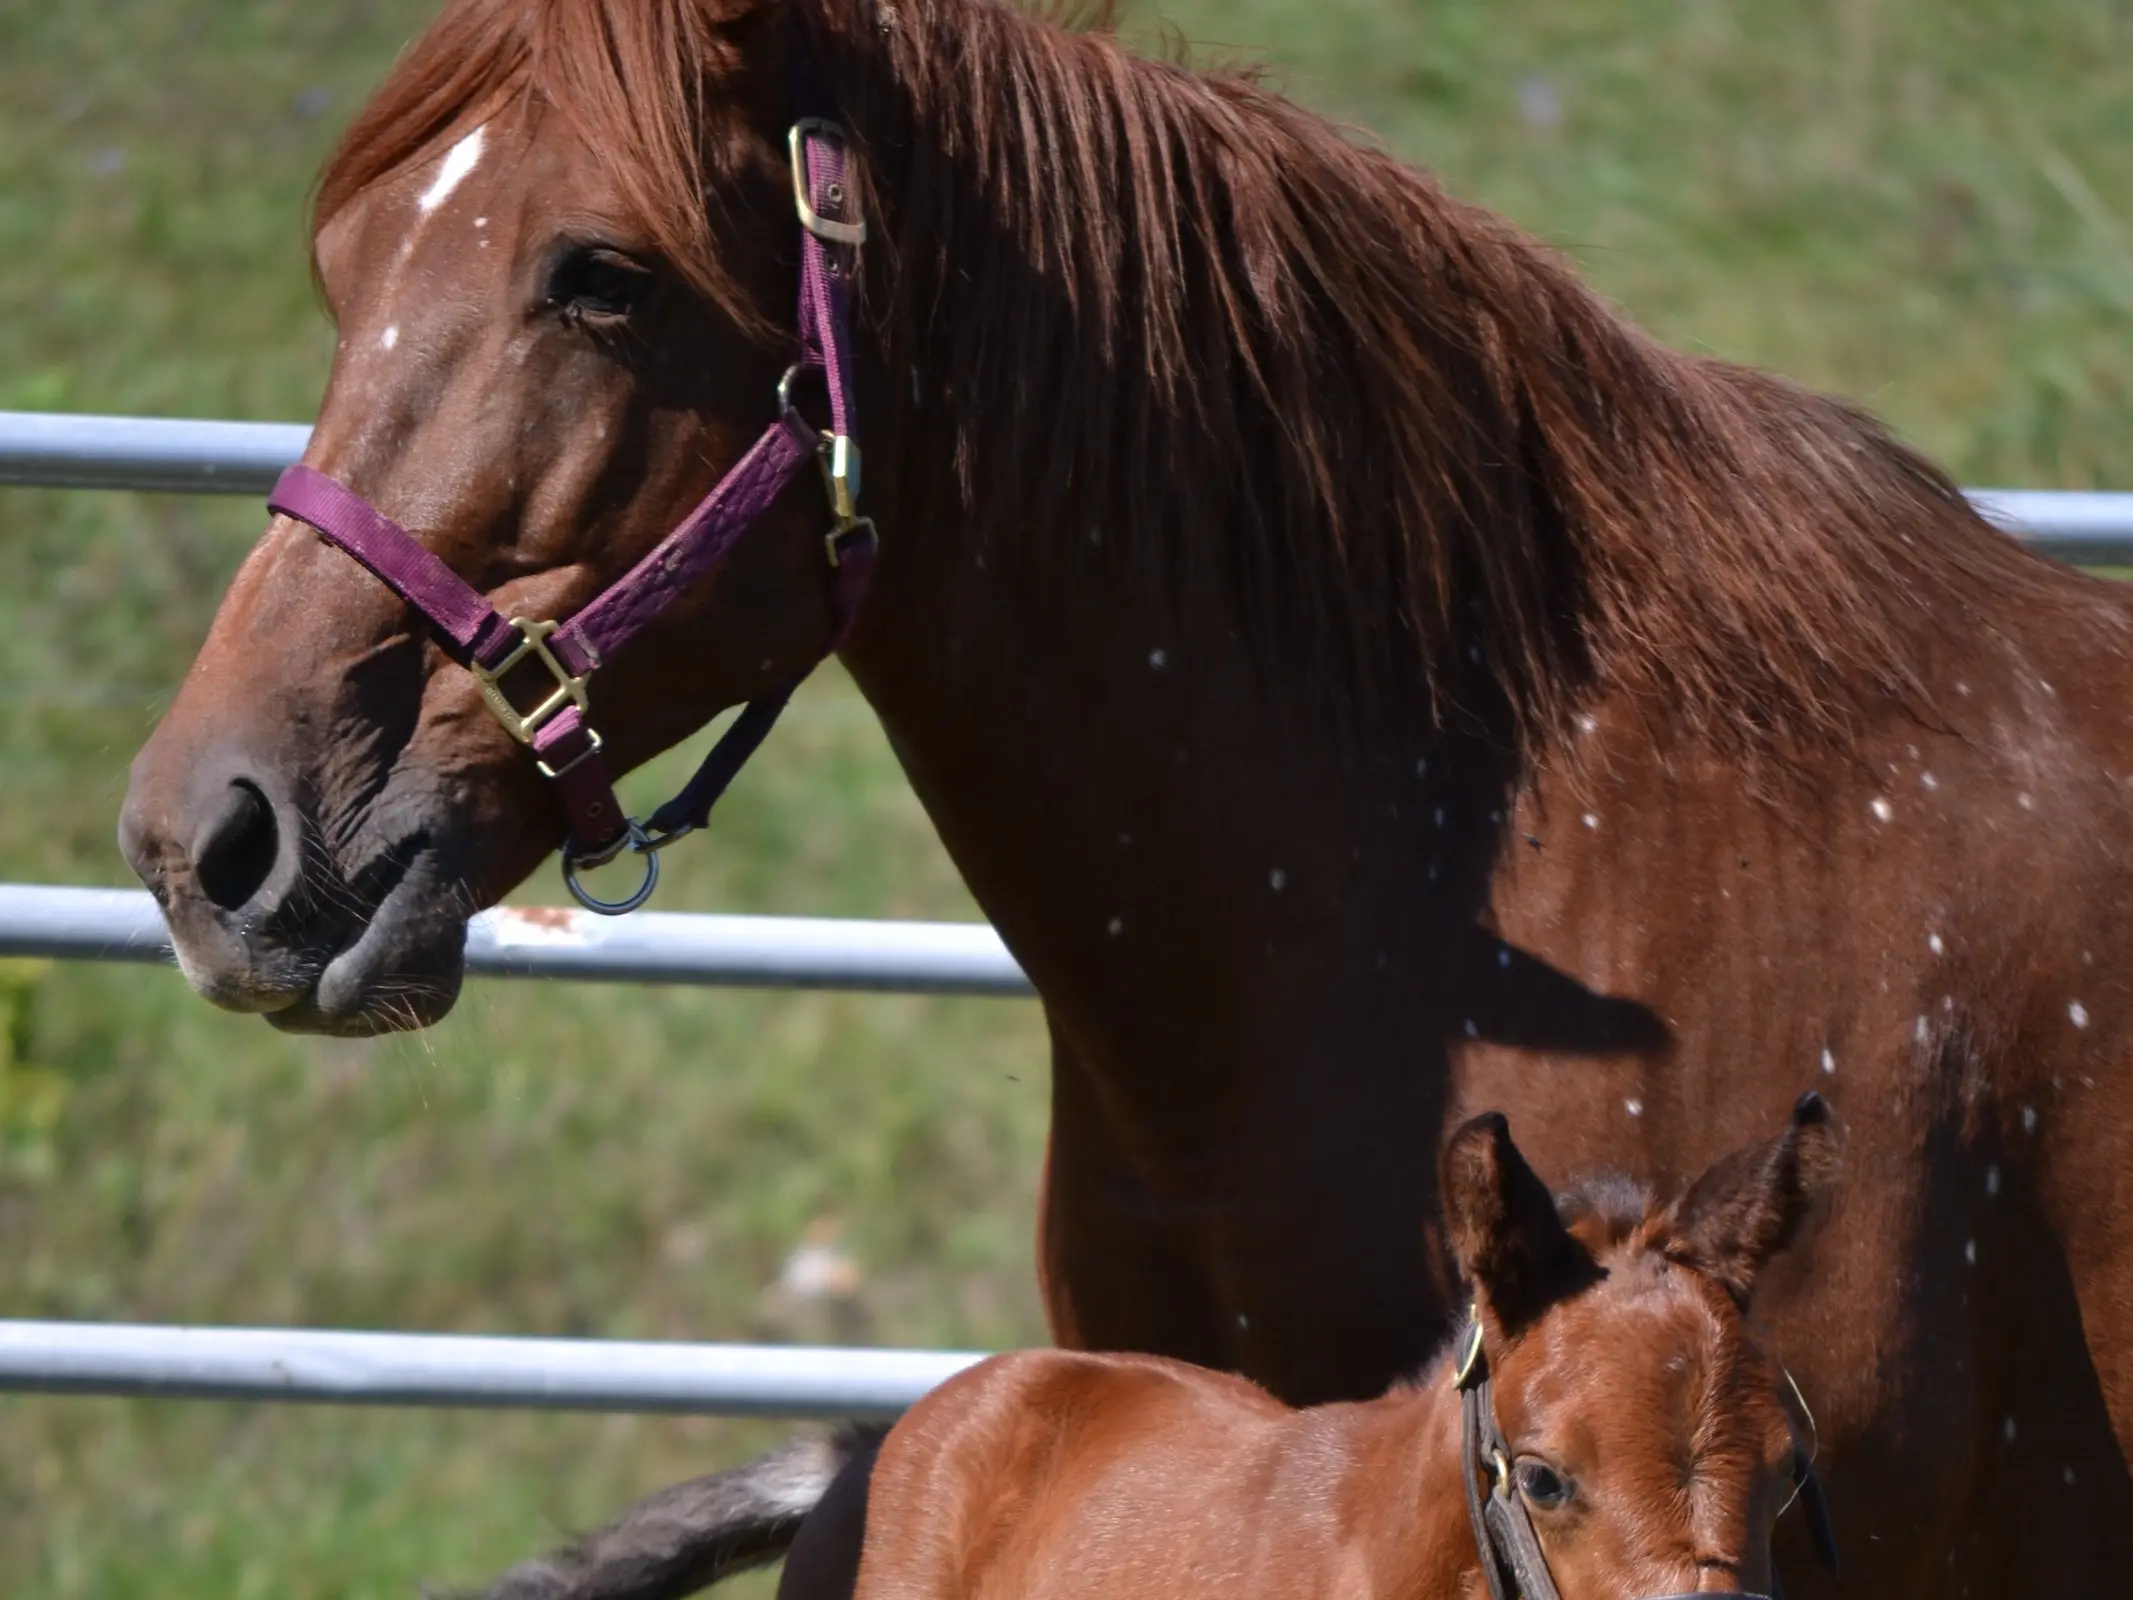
column 1748, row 1207
column 1502, row 1223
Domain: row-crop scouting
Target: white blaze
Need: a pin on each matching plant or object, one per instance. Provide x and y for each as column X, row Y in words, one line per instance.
column 458, row 162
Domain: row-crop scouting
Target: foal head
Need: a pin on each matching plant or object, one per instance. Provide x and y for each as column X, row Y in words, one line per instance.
column 1644, row 1429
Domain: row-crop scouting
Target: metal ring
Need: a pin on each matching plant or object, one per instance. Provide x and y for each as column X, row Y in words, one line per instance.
column 636, row 840
column 786, row 407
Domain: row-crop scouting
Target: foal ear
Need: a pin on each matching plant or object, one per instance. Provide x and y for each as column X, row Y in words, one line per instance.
column 1749, row 1206
column 1502, row 1222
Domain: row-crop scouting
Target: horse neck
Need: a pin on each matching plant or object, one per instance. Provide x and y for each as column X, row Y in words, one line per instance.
column 1081, row 721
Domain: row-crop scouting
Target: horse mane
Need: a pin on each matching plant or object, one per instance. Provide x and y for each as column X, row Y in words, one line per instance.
column 1166, row 319
column 1614, row 1205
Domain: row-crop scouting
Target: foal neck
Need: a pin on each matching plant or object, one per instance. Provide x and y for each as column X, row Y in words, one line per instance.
column 1403, row 1495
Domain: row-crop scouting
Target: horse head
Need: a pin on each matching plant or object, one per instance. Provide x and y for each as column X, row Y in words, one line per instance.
column 550, row 348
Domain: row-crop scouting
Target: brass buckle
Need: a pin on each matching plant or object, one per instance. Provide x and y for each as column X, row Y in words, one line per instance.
column 846, row 233
column 591, row 749
column 840, row 474
column 569, row 690
column 838, row 453
column 833, row 541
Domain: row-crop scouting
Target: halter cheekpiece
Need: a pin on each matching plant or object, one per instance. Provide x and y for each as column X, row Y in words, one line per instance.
column 501, row 651
column 1512, row 1561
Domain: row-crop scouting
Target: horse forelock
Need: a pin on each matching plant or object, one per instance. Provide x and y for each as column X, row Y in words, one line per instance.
column 1273, row 369
column 632, row 79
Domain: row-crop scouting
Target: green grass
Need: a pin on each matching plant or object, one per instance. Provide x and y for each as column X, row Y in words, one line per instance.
column 1922, row 203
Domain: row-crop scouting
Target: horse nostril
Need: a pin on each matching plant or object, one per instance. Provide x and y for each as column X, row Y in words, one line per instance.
column 237, row 848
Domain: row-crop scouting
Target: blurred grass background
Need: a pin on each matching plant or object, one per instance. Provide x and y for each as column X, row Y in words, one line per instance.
column 1925, row 204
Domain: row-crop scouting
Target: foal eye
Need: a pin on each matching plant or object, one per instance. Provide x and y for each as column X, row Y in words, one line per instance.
column 594, row 281
column 1540, row 1484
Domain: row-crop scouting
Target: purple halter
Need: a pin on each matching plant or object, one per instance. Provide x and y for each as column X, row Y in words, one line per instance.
column 494, row 647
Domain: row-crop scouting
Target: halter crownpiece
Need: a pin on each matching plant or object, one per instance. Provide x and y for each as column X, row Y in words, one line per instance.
column 496, row 648
column 1512, row 1561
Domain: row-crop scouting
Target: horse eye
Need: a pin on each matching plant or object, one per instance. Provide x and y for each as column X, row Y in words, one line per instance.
column 593, row 281
column 1541, row 1484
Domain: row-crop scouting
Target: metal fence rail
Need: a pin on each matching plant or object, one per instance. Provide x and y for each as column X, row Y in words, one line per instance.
column 543, row 942
column 63, row 451
column 59, row 450
column 428, row 1369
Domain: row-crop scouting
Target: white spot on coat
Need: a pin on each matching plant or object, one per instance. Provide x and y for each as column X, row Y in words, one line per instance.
column 2029, row 1119
column 1921, row 1031
column 1277, row 880
column 1927, row 781
column 2078, row 1014
column 2008, row 1427
column 458, row 162
column 1592, row 819
column 1933, row 943
column 1992, row 1179
column 1829, row 1062
column 1633, row 1106
column 1158, row 659
column 1472, row 1032
column 1115, row 927
column 390, row 337
column 1882, row 809
column 1587, row 722
column 1970, row 1251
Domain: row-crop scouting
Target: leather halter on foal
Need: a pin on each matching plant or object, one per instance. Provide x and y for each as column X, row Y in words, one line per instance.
column 493, row 646
column 1511, row 1556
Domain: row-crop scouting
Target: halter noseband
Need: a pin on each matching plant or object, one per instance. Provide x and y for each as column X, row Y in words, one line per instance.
column 495, row 647
column 1512, row 1560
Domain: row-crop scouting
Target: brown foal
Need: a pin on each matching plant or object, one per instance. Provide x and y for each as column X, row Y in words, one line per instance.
column 1645, row 1447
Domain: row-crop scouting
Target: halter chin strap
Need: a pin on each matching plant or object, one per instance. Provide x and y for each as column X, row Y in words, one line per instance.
column 1512, row 1561
column 505, row 654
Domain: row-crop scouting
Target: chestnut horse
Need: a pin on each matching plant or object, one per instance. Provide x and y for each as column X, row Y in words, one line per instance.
column 1361, row 677
column 1633, row 1436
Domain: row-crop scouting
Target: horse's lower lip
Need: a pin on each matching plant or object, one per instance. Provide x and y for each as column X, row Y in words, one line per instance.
column 402, row 970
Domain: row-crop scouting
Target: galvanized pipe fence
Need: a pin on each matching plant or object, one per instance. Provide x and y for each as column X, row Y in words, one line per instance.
column 63, row 451
column 549, row 942
column 161, row 454
column 434, row 1369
